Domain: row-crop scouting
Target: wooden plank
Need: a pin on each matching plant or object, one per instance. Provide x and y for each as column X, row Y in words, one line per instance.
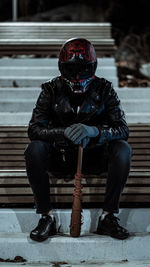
column 51, row 29
column 13, row 134
column 21, row 152
column 69, row 199
column 19, row 149
column 13, row 181
column 13, row 128
column 140, row 163
column 132, row 127
column 15, row 151
column 140, row 134
column 12, row 164
column 12, row 146
column 89, row 181
column 139, row 145
column 18, row 173
column 139, row 129
column 43, row 41
column 140, row 157
column 136, row 154
column 11, row 158
column 12, row 173
column 18, row 164
column 141, row 151
column 51, row 50
column 12, row 152
column 16, row 133
column 63, row 35
column 134, row 173
column 22, row 146
column 24, row 134
column 139, row 140
column 14, row 140
column 69, row 190
column 12, row 167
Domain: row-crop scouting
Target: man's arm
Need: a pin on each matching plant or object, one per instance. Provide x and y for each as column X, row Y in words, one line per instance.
column 41, row 116
column 116, row 127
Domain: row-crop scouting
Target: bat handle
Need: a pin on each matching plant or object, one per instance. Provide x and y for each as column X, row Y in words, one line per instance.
column 80, row 156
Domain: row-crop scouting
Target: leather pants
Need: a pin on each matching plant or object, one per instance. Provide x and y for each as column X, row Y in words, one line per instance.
column 113, row 158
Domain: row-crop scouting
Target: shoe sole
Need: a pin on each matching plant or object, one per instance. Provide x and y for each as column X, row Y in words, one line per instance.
column 111, row 235
column 41, row 239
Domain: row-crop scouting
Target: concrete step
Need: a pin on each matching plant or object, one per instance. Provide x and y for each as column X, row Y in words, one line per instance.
column 30, row 81
column 46, row 62
column 138, row 117
column 123, row 263
column 105, row 71
column 16, row 118
column 24, row 220
column 23, row 105
column 18, row 105
column 138, row 106
column 90, row 247
column 19, row 93
column 133, row 93
column 33, row 92
column 22, row 118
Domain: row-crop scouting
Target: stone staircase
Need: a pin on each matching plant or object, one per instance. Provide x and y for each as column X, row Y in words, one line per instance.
column 32, row 72
column 89, row 248
column 20, row 81
column 16, row 104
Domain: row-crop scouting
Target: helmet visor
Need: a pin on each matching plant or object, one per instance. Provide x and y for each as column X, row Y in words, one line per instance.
column 77, row 70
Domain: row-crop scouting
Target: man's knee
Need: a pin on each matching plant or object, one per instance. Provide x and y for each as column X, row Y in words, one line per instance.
column 121, row 150
column 36, row 148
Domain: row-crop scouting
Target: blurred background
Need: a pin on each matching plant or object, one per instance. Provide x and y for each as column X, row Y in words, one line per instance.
column 130, row 26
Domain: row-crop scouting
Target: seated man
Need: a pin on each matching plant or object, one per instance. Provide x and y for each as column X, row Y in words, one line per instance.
column 78, row 108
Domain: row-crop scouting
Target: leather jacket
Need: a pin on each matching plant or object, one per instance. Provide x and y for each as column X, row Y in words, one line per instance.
column 57, row 107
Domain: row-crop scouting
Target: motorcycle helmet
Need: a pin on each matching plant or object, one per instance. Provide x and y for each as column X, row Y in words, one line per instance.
column 77, row 64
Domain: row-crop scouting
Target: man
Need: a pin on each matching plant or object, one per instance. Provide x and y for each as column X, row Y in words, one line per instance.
column 78, row 108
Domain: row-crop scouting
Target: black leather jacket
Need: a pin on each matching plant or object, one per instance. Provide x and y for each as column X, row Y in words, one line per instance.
column 56, row 108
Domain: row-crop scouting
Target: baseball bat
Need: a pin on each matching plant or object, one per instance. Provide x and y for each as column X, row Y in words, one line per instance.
column 76, row 216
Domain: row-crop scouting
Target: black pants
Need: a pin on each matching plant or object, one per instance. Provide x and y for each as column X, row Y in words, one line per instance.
column 114, row 157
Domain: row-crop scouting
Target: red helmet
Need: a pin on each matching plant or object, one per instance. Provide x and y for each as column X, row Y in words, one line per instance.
column 77, row 64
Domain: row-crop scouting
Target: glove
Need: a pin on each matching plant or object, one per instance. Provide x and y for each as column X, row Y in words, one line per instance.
column 79, row 132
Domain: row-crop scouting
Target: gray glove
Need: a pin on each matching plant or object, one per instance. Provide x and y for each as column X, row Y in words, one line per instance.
column 79, row 132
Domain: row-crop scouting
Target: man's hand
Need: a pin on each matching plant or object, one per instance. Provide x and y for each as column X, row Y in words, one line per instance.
column 79, row 132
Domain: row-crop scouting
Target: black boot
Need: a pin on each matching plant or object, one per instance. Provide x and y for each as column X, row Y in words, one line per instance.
column 110, row 226
column 45, row 228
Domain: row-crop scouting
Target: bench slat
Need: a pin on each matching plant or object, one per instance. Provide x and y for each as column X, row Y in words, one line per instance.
column 21, row 158
column 46, row 38
column 89, row 181
column 68, row 199
column 14, row 184
column 21, row 152
column 69, row 190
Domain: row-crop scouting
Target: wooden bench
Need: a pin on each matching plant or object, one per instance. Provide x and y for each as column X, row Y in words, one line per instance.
column 14, row 185
column 46, row 38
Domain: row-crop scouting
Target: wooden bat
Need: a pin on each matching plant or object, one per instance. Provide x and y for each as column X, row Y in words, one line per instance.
column 76, row 217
